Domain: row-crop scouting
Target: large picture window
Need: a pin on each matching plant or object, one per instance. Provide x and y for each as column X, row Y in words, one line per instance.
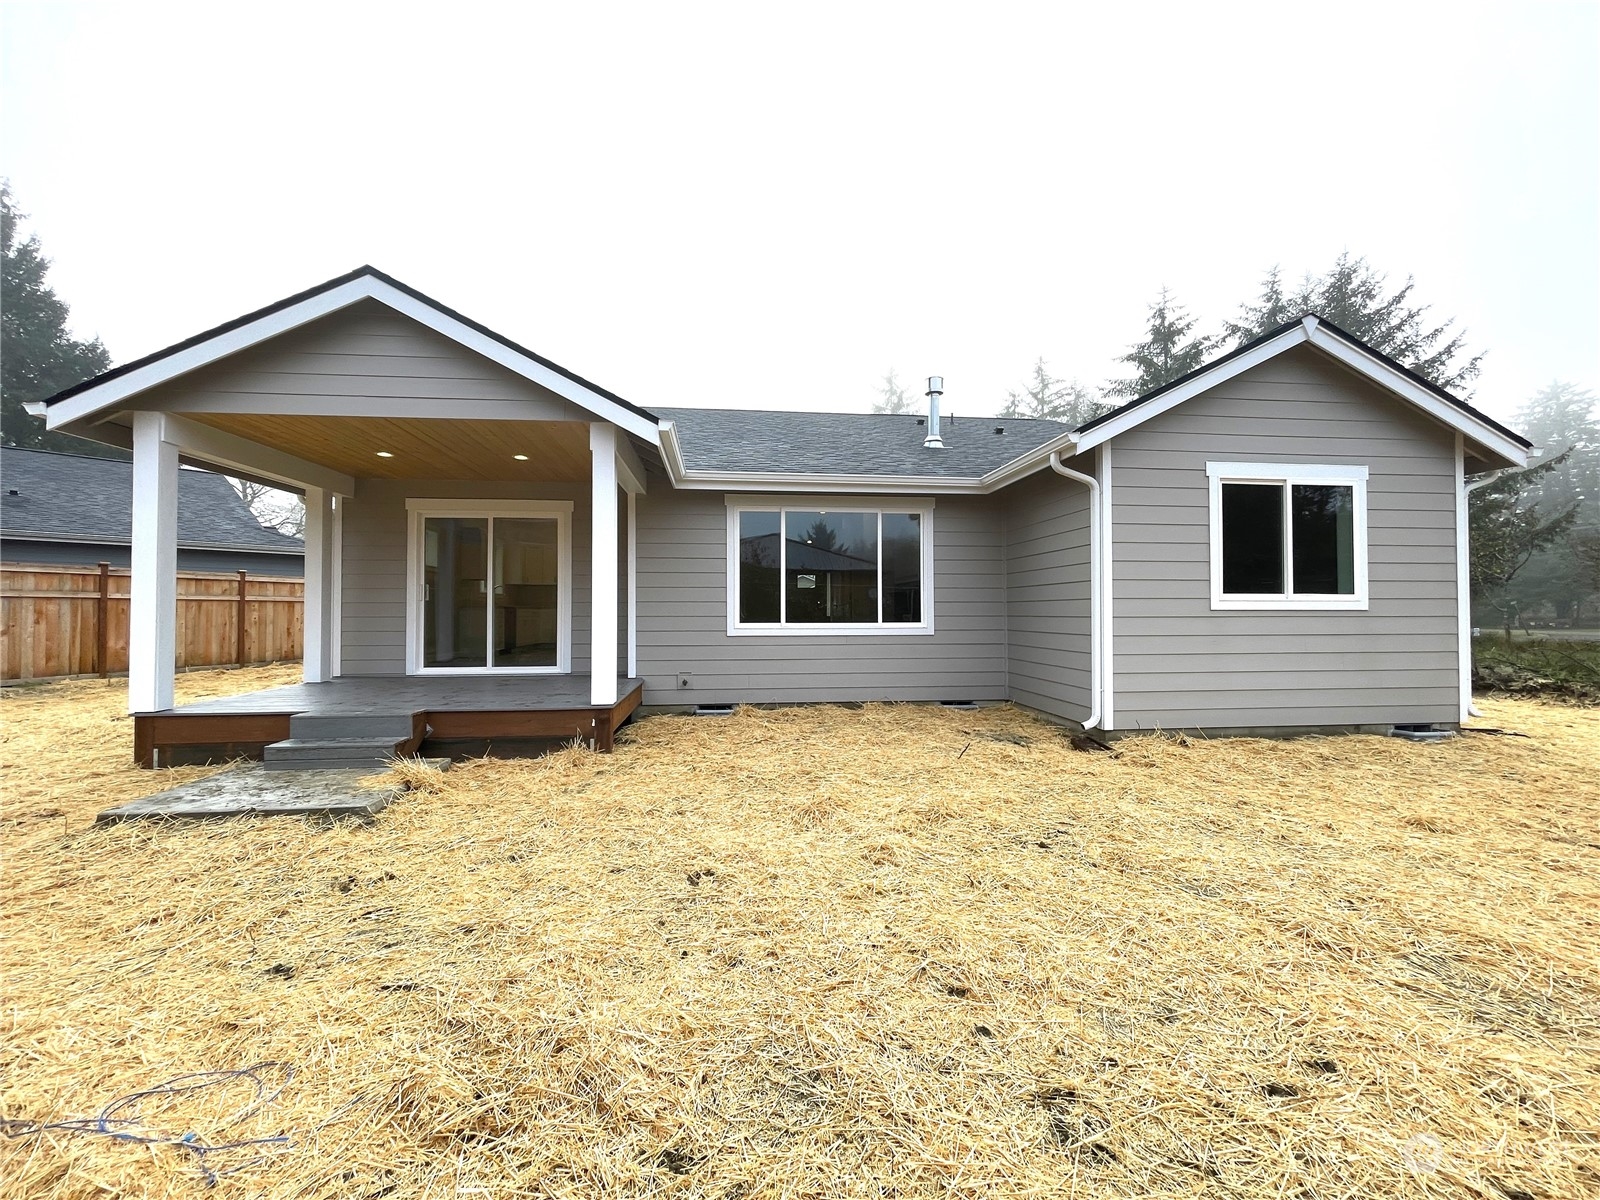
column 1288, row 535
column 829, row 565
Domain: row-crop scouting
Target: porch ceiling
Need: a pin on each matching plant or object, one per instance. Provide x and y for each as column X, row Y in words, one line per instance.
column 558, row 451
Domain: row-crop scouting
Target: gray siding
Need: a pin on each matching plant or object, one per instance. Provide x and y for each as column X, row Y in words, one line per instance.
column 365, row 352
column 1047, row 593
column 683, row 618
column 1180, row 665
column 373, row 625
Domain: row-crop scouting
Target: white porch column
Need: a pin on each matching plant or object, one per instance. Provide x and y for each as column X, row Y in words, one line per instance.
column 153, row 590
column 603, row 517
column 633, row 584
column 319, row 573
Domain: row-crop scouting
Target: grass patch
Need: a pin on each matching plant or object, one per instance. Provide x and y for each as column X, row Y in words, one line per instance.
column 823, row 952
column 1538, row 666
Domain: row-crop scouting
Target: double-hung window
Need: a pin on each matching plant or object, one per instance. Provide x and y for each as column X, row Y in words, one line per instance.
column 829, row 565
column 1288, row 535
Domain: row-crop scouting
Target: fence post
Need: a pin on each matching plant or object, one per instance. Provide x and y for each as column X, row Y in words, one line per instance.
column 243, row 608
column 102, row 623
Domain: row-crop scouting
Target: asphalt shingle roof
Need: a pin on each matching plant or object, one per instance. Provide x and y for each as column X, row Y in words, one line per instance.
column 72, row 496
column 808, row 443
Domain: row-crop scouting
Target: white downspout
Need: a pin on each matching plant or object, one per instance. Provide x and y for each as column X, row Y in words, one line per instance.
column 1096, row 550
column 1466, row 490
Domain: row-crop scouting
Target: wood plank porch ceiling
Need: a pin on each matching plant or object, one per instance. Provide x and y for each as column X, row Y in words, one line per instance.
column 558, row 451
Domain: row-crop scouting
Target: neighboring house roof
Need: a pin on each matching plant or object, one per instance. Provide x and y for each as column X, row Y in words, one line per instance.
column 50, row 497
column 723, row 440
column 364, row 283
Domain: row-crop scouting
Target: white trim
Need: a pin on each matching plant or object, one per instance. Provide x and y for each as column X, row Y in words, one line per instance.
column 336, row 633
column 1108, row 529
column 1343, row 351
column 418, row 508
column 1463, row 580
column 1289, row 474
column 1363, row 362
column 603, row 518
column 317, row 657
column 1140, row 413
column 1096, row 546
column 153, row 567
column 879, row 504
column 363, row 287
column 633, row 585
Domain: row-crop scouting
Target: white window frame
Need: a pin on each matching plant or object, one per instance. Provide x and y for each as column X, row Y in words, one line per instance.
column 417, row 510
column 922, row 507
column 1287, row 475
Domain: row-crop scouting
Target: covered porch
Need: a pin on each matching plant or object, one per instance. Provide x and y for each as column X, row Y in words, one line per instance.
column 442, row 713
column 470, row 511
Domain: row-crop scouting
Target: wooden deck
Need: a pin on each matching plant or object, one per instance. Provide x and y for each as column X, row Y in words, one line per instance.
column 461, row 709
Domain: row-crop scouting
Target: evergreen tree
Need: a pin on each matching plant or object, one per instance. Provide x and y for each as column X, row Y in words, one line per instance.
column 1171, row 349
column 1052, row 399
column 38, row 357
column 1356, row 298
column 1562, row 420
column 1508, row 527
column 892, row 397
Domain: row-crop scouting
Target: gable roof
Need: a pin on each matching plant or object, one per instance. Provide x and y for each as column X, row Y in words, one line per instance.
column 78, row 498
column 363, row 283
column 1346, row 348
column 849, row 447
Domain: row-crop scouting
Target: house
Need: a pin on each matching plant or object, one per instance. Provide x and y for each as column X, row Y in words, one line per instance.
column 76, row 510
column 497, row 548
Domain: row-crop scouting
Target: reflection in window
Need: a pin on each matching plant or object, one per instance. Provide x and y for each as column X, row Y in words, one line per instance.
column 821, row 567
column 1268, row 527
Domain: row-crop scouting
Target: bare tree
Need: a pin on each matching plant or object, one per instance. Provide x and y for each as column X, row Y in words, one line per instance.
column 274, row 508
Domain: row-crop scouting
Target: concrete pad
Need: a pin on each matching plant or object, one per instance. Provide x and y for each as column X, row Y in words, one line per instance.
column 247, row 790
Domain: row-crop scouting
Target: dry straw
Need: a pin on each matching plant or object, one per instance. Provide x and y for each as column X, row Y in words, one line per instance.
column 825, row 952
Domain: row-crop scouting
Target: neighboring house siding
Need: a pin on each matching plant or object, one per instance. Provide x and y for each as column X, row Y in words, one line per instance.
column 1047, row 593
column 89, row 554
column 373, row 624
column 683, row 618
column 1180, row 665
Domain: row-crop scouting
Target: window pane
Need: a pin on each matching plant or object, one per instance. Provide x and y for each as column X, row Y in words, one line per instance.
column 1252, row 538
column 758, row 567
column 525, row 615
column 1324, row 524
column 902, row 568
column 832, row 570
column 454, row 582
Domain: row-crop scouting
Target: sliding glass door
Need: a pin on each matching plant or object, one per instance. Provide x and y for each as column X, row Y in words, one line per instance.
column 492, row 591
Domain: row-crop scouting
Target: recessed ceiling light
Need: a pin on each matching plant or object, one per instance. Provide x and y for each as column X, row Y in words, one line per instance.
column 520, row 457
column 384, row 454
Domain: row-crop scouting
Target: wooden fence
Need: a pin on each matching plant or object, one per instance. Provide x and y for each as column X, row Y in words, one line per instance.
column 59, row 621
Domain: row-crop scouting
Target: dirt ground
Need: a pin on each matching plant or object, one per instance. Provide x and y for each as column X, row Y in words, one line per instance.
column 897, row 950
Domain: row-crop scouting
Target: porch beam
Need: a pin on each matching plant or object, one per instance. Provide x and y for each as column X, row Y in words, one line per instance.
column 153, row 588
column 233, row 453
column 319, row 573
column 603, row 518
column 630, row 471
column 417, row 407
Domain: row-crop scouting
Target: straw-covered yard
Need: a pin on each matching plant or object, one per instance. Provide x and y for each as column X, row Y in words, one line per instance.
column 818, row 952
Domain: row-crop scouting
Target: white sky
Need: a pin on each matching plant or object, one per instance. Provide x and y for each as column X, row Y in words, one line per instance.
column 763, row 207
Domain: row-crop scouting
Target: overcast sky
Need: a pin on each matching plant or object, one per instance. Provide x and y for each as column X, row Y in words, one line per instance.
column 770, row 207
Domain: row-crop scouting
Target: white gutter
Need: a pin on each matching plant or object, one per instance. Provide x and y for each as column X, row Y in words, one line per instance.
column 1096, row 551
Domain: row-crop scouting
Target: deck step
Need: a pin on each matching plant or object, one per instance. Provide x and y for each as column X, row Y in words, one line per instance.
column 330, row 754
column 322, row 727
